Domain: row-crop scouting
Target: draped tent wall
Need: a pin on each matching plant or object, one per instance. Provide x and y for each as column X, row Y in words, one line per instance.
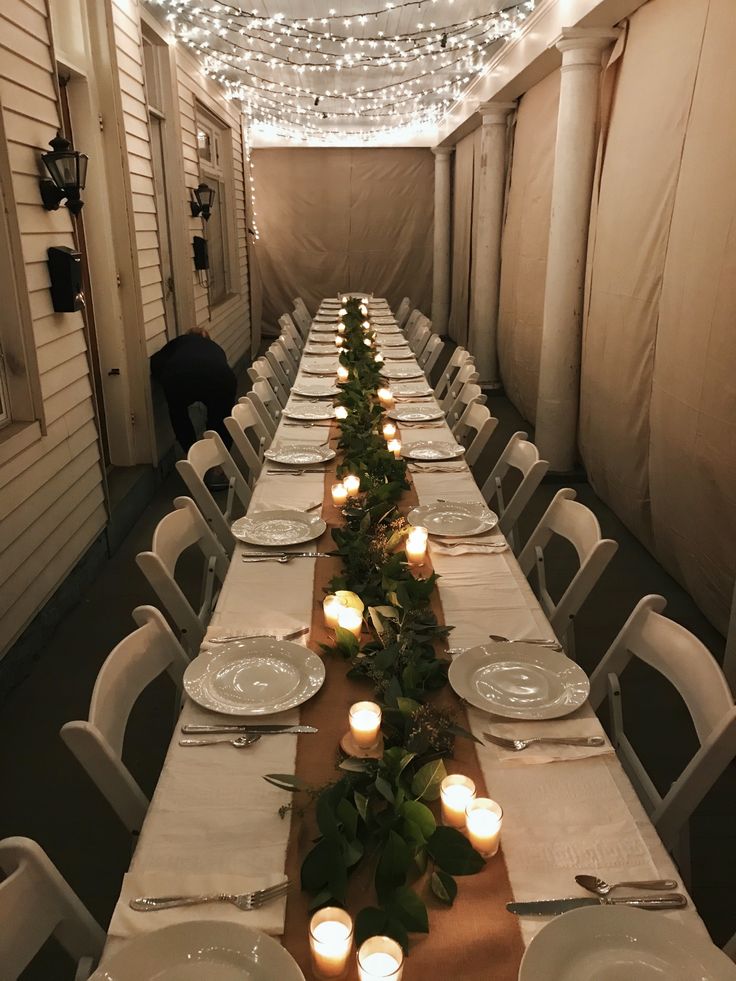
column 334, row 218
column 524, row 244
column 463, row 192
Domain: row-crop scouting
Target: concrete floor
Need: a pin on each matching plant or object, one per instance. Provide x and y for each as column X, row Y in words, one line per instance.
column 46, row 796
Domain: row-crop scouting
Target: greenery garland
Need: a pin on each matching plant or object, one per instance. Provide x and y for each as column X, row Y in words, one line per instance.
column 376, row 811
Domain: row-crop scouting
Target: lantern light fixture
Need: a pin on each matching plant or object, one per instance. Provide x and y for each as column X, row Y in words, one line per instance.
column 203, row 199
column 68, row 170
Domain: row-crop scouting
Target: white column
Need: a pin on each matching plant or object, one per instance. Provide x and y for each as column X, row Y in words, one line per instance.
column 575, row 149
column 488, row 221
column 441, row 268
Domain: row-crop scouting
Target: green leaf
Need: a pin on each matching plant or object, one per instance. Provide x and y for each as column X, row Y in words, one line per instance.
column 443, row 886
column 361, row 804
column 348, row 815
column 457, row 730
column 370, row 922
column 385, row 789
column 326, row 816
column 454, row 853
column 419, row 814
column 407, row 705
column 427, row 780
column 392, row 865
column 347, row 643
column 354, row 764
column 407, row 907
column 286, row 781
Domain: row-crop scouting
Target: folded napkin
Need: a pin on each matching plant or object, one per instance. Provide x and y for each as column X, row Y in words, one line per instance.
column 290, row 505
column 228, row 626
column 127, row 922
column 482, row 544
column 576, row 724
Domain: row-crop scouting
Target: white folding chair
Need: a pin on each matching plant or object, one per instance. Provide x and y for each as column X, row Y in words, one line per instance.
column 463, row 376
column 420, row 336
column 459, row 357
column 263, row 390
column 475, row 427
column 288, row 362
column 36, row 903
column 575, row 522
column 266, row 420
column 97, row 742
column 249, row 438
column 469, row 394
column 689, row 666
column 289, row 329
column 411, row 323
column 294, row 350
column 402, row 311
column 269, row 369
column 175, row 532
column 431, row 354
column 301, row 316
column 203, row 455
column 522, row 456
column 257, row 369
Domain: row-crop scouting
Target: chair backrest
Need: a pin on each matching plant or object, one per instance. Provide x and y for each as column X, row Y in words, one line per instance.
column 175, row 532
column 264, row 390
column 402, row 311
column 431, row 353
column 288, row 362
column 458, row 358
column 293, row 347
column 288, row 329
column 475, row 427
column 266, row 419
column 301, row 316
column 411, row 322
column 36, row 902
column 520, row 455
column 249, row 437
column 468, row 395
column 420, row 336
column 203, row 455
column 575, row 522
column 276, row 375
column 98, row 742
column 689, row 666
column 464, row 375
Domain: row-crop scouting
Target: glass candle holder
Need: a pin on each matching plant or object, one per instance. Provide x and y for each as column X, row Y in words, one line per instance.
column 389, row 430
column 339, row 341
column 366, row 325
column 341, row 328
column 331, row 606
column 341, row 412
column 350, row 619
column 363, row 309
column 416, row 545
column 339, row 494
column 380, row 959
column 456, row 792
column 378, row 358
column 368, row 342
column 342, row 374
column 365, row 723
column 386, row 398
column 342, row 311
column 483, row 819
column 394, row 446
column 352, row 484
column 330, row 942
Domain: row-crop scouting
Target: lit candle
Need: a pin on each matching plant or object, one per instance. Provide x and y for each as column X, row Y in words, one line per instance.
column 456, row 792
column 380, row 959
column 339, row 494
column 368, row 342
column 339, row 341
column 366, row 325
column 330, row 942
column 483, row 818
column 341, row 328
column 352, row 484
column 350, row 619
column 416, row 545
column 378, row 358
column 341, row 412
column 331, row 607
column 342, row 311
column 342, row 374
column 365, row 722
column 386, row 398
column 389, row 430
column 394, row 446
column 363, row 309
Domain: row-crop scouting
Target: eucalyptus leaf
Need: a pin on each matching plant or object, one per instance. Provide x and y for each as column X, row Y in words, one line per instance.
column 286, row 781
column 443, row 886
column 420, row 815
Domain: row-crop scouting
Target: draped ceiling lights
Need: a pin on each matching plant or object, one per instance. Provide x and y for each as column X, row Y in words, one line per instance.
column 389, row 70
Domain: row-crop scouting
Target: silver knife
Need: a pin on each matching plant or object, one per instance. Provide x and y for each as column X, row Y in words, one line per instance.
column 551, row 907
column 228, row 638
column 263, row 730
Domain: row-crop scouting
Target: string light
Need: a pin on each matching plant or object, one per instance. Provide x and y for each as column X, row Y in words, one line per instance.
column 333, row 76
column 252, row 184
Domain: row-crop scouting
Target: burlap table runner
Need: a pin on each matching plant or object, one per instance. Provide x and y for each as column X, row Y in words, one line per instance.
column 476, row 938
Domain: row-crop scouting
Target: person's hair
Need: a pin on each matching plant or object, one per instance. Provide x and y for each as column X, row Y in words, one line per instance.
column 199, row 330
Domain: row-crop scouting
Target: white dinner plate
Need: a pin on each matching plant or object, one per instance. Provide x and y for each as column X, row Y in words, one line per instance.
column 322, row 348
column 415, row 412
column 257, row 676
column 453, row 519
column 519, row 681
column 393, row 340
column 315, row 389
column 304, row 411
column 411, row 388
column 324, row 328
column 432, row 449
column 386, row 331
column 383, row 320
column 402, row 371
column 199, row 949
column 278, row 528
column 616, row 943
column 320, row 367
column 301, row 454
column 394, row 354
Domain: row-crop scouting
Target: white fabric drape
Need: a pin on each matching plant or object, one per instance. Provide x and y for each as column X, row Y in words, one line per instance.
column 463, row 194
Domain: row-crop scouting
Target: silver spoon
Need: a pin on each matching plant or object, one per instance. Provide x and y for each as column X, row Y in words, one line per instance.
column 602, row 888
column 240, row 742
column 552, row 644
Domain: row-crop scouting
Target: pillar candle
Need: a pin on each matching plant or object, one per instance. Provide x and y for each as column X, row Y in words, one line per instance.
column 380, row 959
column 394, row 446
column 365, row 723
column 416, row 545
column 349, row 619
column 330, row 942
column 341, row 412
column 389, row 430
column 352, row 484
column 456, row 792
column 386, row 398
column 342, row 374
column 339, row 494
column 483, row 818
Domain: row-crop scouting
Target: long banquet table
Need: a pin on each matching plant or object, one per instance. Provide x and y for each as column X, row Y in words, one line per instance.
column 213, row 822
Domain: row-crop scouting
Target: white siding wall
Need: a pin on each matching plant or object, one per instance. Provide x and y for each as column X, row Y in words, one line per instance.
column 51, row 497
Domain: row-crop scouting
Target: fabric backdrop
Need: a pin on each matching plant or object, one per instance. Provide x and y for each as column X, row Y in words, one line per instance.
column 463, row 199
column 524, row 244
column 335, row 218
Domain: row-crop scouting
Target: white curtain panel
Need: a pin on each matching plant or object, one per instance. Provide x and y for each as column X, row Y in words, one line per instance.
column 462, row 234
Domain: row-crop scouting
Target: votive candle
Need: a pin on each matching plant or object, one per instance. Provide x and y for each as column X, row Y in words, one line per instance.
column 349, row 619
column 378, row 358
column 352, row 484
column 342, row 373
column 380, row 959
column 416, row 545
column 456, row 792
column 483, row 819
column 341, row 328
column 368, row 342
column 342, row 311
column 331, row 607
column 330, row 942
column 386, row 398
column 341, row 412
column 365, row 722
column 339, row 341
column 339, row 493
column 394, row 446
column 389, row 430
column 366, row 325
column 363, row 309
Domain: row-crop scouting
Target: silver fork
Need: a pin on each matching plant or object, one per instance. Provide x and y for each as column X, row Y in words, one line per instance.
column 244, row 900
column 520, row 744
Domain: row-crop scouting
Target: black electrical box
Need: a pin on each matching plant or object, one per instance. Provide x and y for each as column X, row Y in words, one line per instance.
column 201, row 259
column 65, row 272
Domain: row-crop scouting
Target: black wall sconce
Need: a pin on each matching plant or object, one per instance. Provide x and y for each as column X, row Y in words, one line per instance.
column 203, row 199
column 65, row 273
column 68, row 170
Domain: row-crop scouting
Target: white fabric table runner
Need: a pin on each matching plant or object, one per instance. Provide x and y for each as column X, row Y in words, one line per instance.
column 213, row 814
